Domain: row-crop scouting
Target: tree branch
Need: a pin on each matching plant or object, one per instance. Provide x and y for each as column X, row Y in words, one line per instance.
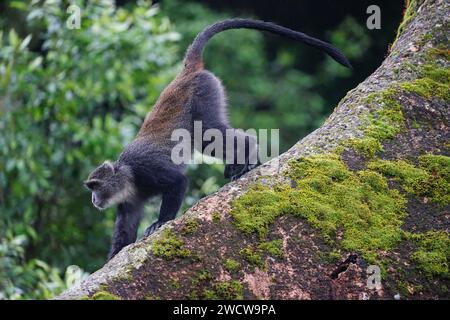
column 339, row 201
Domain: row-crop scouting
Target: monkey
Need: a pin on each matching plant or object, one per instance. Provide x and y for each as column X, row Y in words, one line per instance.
column 145, row 169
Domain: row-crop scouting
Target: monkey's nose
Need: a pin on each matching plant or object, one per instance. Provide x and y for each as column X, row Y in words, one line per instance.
column 95, row 201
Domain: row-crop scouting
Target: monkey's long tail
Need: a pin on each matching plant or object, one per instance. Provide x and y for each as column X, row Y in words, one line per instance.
column 194, row 52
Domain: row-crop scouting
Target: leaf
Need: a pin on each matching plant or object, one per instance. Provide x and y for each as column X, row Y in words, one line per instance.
column 13, row 38
column 25, row 42
column 35, row 63
column 19, row 5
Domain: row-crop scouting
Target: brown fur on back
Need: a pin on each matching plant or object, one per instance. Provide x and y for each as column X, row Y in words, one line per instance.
column 169, row 112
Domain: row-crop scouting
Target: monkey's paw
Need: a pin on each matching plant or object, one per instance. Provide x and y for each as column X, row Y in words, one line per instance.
column 155, row 226
column 235, row 171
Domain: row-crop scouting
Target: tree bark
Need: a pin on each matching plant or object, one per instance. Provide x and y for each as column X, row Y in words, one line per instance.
column 199, row 255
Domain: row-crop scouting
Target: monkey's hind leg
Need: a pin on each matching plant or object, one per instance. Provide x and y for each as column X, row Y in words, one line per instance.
column 209, row 107
column 235, row 171
column 248, row 151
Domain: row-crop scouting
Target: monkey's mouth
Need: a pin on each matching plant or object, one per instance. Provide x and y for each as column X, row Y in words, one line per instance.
column 100, row 205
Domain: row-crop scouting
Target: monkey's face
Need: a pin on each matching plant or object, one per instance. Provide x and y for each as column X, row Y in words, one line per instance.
column 109, row 186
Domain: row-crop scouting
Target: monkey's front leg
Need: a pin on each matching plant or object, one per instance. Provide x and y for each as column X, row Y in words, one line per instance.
column 172, row 199
column 125, row 229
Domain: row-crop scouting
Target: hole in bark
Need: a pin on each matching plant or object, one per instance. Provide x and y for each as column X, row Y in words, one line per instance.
column 343, row 266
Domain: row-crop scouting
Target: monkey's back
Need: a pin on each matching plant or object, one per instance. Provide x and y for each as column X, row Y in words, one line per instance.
column 172, row 109
column 192, row 96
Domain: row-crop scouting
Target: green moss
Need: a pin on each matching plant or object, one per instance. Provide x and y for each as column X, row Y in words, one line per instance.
column 169, row 246
column 124, row 276
column 104, row 295
column 331, row 198
column 258, row 208
column 438, row 186
column 435, row 73
column 330, row 257
column 388, row 118
column 216, row 216
column 201, row 276
column 426, row 37
column 407, row 289
column 252, row 256
column 174, row 284
column 409, row 13
column 274, row 247
column 200, row 279
column 152, row 297
column 367, row 146
column 430, row 179
column 385, row 123
column 438, row 53
column 408, row 175
column 375, row 180
column 433, row 82
column 225, row 290
column 231, row 265
column 427, row 88
column 433, row 252
column 190, row 226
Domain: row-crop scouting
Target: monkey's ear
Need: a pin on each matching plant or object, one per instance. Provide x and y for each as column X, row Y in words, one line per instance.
column 92, row 184
column 110, row 165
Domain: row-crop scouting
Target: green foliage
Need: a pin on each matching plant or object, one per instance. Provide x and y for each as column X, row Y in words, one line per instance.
column 33, row 278
column 66, row 106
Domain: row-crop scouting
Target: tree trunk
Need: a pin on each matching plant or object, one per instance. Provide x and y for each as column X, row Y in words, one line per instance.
column 366, row 192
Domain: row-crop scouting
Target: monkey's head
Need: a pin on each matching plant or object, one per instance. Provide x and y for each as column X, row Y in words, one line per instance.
column 110, row 185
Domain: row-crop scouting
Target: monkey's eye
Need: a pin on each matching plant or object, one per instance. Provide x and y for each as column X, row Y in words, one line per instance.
column 92, row 184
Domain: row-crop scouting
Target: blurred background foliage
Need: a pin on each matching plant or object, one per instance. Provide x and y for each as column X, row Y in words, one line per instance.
column 69, row 99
